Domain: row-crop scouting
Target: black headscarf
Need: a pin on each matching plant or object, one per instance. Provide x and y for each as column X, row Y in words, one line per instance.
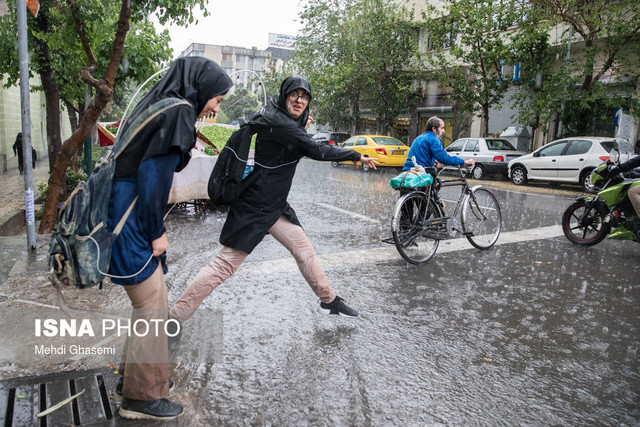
column 275, row 112
column 194, row 79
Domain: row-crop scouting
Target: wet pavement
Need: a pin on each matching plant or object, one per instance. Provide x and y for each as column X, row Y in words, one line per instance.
column 535, row 331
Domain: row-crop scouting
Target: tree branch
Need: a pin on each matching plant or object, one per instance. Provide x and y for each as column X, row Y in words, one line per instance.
column 118, row 42
column 609, row 62
column 86, row 45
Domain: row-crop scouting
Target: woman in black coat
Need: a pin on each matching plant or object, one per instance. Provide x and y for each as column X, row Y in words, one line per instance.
column 263, row 208
column 143, row 177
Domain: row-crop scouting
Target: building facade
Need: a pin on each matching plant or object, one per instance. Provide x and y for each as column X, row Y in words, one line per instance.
column 433, row 99
column 11, row 125
column 242, row 64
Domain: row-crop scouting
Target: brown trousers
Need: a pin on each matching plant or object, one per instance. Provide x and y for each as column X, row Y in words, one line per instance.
column 228, row 260
column 146, row 370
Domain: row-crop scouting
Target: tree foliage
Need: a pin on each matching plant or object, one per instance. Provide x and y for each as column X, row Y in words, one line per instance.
column 602, row 41
column 469, row 44
column 87, row 42
column 357, row 55
column 239, row 104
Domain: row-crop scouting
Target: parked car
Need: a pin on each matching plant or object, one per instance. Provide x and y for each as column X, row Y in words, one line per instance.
column 389, row 151
column 331, row 138
column 565, row 160
column 492, row 155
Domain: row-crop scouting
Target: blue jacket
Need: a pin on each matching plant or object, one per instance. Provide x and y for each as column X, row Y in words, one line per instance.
column 427, row 148
column 132, row 248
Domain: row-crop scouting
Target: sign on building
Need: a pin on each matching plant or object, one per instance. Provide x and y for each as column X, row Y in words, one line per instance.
column 282, row 41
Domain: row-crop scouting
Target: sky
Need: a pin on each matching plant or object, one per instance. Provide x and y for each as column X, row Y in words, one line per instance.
column 242, row 23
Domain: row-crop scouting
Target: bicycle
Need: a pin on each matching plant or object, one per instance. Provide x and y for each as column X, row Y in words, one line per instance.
column 419, row 220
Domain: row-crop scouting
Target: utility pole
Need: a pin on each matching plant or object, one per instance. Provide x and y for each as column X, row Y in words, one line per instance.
column 23, row 56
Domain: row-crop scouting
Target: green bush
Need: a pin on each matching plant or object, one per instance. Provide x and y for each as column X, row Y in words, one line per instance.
column 71, row 178
column 219, row 135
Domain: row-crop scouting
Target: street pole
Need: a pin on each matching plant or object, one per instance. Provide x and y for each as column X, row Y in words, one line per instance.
column 23, row 56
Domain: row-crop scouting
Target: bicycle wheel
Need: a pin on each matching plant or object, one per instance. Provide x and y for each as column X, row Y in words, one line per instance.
column 409, row 216
column 481, row 218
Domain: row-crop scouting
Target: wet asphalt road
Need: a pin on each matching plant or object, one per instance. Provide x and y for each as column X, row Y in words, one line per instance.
column 533, row 332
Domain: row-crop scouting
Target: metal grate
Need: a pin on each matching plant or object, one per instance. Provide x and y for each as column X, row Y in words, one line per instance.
column 22, row 399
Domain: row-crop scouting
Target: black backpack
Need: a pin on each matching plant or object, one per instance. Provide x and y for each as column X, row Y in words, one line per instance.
column 226, row 180
column 80, row 246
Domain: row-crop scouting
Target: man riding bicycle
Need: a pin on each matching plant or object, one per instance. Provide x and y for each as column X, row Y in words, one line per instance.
column 428, row 149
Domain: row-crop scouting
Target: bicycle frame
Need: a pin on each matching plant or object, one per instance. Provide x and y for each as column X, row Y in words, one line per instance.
column 465, row 192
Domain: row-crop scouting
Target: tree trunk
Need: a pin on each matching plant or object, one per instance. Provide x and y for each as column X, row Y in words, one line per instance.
column 103, row 93
column 485, row 119
column 56, row 190
column 51, row 92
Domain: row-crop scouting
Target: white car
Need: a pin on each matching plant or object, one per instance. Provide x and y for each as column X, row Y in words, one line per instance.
column 491, row 154
column 565, row 160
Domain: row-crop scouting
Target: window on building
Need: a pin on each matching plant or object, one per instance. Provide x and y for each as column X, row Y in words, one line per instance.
column 444, row 40
column 226, row 57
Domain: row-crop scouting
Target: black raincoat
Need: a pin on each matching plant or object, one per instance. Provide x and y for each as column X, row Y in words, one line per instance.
column 194, row 79
column 281, row 142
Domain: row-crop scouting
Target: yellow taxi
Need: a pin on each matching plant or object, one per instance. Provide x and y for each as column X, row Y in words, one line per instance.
column 388, row 150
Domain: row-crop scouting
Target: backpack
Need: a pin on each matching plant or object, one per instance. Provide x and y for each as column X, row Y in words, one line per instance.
column 226, row 180
column 80, row 245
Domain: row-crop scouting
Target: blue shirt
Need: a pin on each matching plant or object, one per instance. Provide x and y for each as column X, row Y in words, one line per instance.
column 427, row 148
column 132, row 248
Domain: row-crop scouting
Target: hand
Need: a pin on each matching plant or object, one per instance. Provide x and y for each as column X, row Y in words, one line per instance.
column 369, row 161
column 437, row 164
column 470, row 162
column 160, row 245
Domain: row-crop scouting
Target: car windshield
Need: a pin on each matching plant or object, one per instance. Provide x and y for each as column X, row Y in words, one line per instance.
column 500, row 144
column 386, row 140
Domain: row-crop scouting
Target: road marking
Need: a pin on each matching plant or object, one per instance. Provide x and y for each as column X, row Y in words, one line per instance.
column 389, row 253
column 349, row 213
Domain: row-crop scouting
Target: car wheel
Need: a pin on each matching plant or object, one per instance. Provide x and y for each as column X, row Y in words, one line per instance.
column 585, row 180
column 335, row 164
column 478, row 172
column 518, row 175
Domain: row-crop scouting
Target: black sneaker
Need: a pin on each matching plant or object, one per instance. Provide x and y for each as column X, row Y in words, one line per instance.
column 337, row 306
column 159, row 409
column 117, row 396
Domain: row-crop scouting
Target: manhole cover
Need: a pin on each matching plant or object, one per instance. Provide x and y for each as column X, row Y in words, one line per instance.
column 22, row 399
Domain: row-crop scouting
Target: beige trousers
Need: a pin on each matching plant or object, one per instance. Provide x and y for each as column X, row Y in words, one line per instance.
column 146, row 370
column 228, row 260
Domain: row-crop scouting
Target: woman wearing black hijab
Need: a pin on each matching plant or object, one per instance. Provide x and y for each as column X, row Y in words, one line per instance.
column 263, row 208
column 145, row 170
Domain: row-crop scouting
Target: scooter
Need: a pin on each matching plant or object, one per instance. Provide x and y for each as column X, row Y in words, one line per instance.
column 590, row 219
